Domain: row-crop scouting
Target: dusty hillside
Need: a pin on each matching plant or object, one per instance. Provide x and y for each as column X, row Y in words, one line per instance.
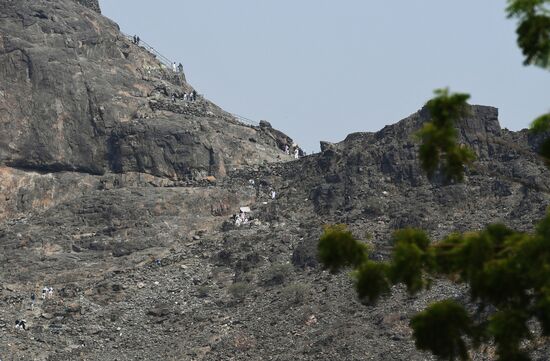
column 121, row 200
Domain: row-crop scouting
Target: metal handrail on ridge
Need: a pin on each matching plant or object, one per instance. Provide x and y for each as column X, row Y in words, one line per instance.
column 163, row 59
column 245, row 120
column 168, row 63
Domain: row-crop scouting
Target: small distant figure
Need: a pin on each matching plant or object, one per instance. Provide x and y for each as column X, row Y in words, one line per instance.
column 174, row 67
column 243, row 217
column 33, row 300
column 50, row 292
column 273, row 194
column 20, row 324
column 194, row 94
column 287, row 149
column 296, row 153
column 136, row 39
column 173, row 98
column 185, row 97
column 44, row 290
column 311, row 320
column 157, row 262
column 180, row 68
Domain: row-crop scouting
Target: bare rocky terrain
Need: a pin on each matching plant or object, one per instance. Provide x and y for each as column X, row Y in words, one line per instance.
column 119, row 194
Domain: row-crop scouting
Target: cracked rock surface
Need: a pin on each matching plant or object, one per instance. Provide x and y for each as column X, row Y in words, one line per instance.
column 119, row 194
column 76, row 95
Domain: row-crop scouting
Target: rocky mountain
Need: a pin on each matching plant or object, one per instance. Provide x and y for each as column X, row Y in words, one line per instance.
column 119, row 194
column 78, row 96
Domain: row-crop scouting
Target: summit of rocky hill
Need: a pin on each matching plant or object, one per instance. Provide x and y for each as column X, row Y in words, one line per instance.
column 119, row 193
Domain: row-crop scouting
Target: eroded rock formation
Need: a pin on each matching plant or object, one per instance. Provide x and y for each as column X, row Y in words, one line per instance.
column 78, row 96
column 119, row 194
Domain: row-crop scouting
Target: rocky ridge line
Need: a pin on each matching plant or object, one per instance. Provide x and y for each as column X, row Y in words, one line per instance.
column 133, row 228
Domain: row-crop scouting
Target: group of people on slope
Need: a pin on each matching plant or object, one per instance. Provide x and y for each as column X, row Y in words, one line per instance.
column 295, row 152
column 20, row 324
column 191, row 96
column 47, row 292
column 241, row 218
column 177, row 68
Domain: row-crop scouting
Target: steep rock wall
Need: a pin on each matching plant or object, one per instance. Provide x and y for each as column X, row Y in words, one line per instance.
column 76, row 95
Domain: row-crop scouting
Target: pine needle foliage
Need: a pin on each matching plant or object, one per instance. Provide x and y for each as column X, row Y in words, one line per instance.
column 371, row 281
column 507, row 272
column 411, row 259
column 338, row 248
column 439, row 146
column 542, row 125
column 442, row 329
column 533, row 31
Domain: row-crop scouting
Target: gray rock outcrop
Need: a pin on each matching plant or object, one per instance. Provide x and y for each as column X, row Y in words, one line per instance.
column 77, row 96
column 120, row 195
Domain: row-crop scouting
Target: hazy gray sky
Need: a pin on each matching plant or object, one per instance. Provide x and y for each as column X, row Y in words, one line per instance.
column 319, row 70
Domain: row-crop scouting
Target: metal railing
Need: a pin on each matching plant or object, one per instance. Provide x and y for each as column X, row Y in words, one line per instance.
column 163, row 59
column 245, row 120
column 169, row 63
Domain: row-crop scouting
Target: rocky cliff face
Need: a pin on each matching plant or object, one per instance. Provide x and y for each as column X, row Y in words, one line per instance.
column 119, row 194
column 77, row 96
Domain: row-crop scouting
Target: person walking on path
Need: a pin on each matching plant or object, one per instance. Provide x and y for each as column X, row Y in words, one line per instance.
column 20, row 324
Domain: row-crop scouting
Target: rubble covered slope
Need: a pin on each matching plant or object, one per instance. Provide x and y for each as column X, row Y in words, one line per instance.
column 119, row 194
